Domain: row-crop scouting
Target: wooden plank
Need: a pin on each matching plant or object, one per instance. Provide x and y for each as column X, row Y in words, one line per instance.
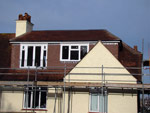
column 70, row 84
column 15, row 83
column 75, row 84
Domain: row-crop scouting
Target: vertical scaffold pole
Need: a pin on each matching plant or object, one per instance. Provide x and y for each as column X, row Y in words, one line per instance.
column 54, row 111
column 34, row 88
column 102, row 90
column 64, row 89
column 26, row 101
column 142, row 78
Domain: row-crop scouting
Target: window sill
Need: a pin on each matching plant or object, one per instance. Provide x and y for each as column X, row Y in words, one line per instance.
column 36, row 109
column 70, row 61
column 95, row 112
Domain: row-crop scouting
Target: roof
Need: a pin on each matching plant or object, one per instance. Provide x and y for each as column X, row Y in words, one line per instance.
column 5, row 49
column 66, row 35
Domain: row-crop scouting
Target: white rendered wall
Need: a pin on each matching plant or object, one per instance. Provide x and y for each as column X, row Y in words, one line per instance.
column 11, row 101
column 122, row 103
column 23, row 26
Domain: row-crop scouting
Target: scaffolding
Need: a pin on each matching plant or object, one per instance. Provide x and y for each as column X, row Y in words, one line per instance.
column 68, row 84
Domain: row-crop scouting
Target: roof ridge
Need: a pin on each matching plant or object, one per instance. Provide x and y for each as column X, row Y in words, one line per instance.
column 72, row 30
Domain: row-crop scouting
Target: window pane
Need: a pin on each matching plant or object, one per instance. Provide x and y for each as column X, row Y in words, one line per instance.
column 43, row 100
column 35, row 102
column 94, row 102
column 30, row 56
column 106, row 103
column 74, row 55
column 74, row 47
column 83, row 51
column 44, row 59
column 65, row 52
column 22, row 59
column 37, row 55
column 101, row 103
column 27, row 99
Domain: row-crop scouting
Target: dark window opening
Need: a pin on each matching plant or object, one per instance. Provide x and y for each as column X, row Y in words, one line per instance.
column 43, row 100
column 74, row 55
column 74, row 47
column 83, row 51
column 22, row 59
column 30, row 56
column 37, row 56
column 65, row 52
column 28, row 99
column 44, row 59
column 35, row 98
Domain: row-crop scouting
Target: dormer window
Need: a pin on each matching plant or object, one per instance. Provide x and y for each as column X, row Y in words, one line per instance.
column 73, row 52
column 32, row 55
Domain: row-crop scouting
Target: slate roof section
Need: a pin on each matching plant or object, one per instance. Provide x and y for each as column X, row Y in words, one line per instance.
column 5, row 49
column 66, row 35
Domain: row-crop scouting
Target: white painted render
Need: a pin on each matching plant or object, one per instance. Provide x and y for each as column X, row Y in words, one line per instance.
column 122, row 103
column 23, row 26
column 12, row 101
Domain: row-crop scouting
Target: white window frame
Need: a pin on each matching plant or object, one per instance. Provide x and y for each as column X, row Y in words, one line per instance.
column 31, row 102
column 26, row 51
column 70, row 45
column 105, row 99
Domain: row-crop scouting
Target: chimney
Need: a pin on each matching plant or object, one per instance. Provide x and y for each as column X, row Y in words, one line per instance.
column 23, row 24
column 135, row 48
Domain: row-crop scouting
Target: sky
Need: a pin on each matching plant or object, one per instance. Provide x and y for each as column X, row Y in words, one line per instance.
column 127, row 19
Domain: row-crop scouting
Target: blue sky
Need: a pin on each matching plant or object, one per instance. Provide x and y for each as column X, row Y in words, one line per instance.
column 127, row 19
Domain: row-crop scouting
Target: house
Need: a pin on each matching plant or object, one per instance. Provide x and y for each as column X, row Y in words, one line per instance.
column 67, row 71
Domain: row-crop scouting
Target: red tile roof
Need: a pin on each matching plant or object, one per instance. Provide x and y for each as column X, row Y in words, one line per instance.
column 66, row 35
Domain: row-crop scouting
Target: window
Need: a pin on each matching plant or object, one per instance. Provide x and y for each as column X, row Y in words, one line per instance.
column 98, row 103
column 33, row 55
column 35, row 98
column 73, row 52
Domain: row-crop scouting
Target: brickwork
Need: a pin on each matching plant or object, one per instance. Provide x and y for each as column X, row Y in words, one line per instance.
column 15, row 56
column 53, row 55
column 113, row 49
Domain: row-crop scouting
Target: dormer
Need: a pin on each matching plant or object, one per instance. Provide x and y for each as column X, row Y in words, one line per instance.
column 23, row 24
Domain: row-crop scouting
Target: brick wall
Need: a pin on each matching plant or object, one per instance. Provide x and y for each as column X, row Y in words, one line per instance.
column 53, row 55
column 15, row 56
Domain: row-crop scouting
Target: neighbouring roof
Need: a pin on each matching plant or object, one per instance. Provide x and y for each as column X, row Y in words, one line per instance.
column 5, row 49
column 66, row 35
